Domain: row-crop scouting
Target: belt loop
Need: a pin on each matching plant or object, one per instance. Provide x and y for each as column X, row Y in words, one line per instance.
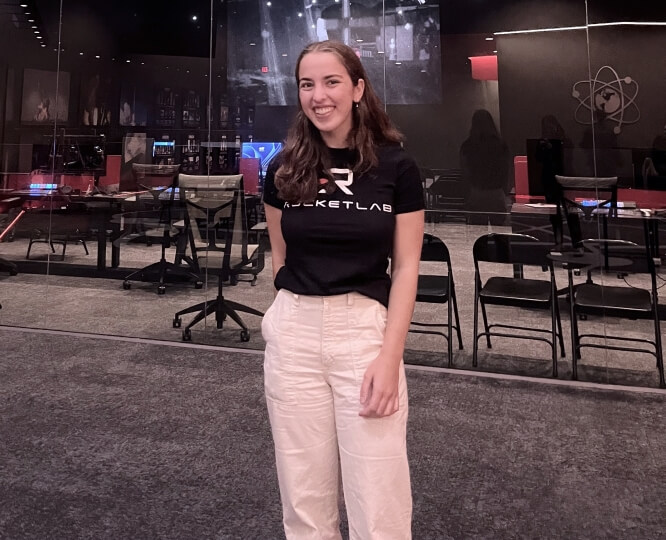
column 297, row 299
column 350, row 299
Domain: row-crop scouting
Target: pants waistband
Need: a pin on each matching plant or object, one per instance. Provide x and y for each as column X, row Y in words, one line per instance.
column 346, row 299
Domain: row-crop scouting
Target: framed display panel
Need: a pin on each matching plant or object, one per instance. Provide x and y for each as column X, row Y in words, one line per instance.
column 45, row 96
column 95, row 102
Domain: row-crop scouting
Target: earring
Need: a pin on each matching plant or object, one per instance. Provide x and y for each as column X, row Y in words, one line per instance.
column 356, row 104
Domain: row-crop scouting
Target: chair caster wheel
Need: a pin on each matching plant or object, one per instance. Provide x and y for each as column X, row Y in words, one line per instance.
column 187, row 335
column 127, row 285
column 198, row 285
column 245, row 335
column 161, row 289
column 176, row 323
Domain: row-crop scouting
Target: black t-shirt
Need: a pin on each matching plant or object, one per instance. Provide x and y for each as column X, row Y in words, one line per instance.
column 341, row 243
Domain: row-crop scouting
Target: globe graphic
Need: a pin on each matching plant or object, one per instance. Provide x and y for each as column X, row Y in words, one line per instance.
column 607, row 100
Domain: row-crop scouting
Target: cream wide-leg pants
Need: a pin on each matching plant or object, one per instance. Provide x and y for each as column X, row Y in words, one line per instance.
column 317, row 351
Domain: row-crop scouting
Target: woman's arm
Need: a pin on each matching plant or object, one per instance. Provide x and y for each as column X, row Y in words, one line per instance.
column 278, row 245
column 379, row 391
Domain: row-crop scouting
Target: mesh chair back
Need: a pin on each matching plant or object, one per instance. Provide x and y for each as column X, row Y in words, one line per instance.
column 595, row 185
column 511, row 249
column 219, row 201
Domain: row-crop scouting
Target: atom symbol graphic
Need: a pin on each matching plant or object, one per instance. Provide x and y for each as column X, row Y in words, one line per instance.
column 611, row 96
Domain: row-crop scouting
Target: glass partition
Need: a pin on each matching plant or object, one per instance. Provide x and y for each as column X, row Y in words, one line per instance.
column 626, row 121
column 119, row 119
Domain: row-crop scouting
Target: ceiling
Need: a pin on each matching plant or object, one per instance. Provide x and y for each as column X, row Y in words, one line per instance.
column 165, row 27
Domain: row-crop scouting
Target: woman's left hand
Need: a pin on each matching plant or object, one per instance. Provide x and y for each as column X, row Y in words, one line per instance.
column 379, row 391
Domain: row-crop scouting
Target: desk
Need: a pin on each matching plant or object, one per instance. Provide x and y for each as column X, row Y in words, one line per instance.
column 578, row 260
column 636, row 224
column 100, row 208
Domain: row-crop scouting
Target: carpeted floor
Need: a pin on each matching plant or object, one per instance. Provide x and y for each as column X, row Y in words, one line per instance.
column 111, row 439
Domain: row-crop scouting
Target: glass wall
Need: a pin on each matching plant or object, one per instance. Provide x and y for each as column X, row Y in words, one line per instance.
column 119, row 119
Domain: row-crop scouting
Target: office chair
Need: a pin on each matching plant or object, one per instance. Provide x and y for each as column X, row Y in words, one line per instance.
column 216, row 209
column 627, row 302
column 159, row 213
column 519, row 292
column 54, row 213
column 7, row 266
column 593, row 186
column 438, row 289
column 445, row 194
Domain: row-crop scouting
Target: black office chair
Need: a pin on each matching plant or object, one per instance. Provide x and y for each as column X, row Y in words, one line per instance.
column 54, row 215
column 157, row 216
column 445, row 194
column 627, row 302
column 216, row 210
column 603, row 194
column 522, row 250
column 438, row 289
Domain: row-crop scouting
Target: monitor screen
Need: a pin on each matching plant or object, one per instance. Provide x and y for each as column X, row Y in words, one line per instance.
column 164, row 148
column 543, row 158
column 264, row 151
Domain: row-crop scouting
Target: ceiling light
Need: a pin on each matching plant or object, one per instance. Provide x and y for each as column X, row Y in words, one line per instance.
column 36, row 31
column 285, row 54
column 489, row 39
column 269, row 4
column 194, row 17
column 97, row 56
column 128, row 61
column 81, row 53
column 39, row 37
column 300, row 14
column 398, row 63
column 23, row 5
column 31, row 20
column 43, row 44
column 34, row 26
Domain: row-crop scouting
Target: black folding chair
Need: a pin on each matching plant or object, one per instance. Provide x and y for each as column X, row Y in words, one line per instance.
column 626, row 302
column 438, row 289
column 516, row 291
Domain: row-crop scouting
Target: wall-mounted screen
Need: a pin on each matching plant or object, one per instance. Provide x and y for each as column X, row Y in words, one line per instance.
column 399, row 46
column 264, row 151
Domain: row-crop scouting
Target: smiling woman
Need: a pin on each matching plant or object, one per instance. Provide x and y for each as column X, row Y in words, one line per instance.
column 341, row 198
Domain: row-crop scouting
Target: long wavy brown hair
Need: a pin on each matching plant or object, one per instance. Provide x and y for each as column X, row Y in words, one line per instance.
column 305, row 156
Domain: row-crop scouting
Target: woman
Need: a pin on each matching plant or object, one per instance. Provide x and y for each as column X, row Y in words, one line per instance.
column 484, row 163
column 339, row 199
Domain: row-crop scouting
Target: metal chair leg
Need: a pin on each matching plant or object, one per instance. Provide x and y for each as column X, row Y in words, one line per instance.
column 485, row 324
column 475, row 339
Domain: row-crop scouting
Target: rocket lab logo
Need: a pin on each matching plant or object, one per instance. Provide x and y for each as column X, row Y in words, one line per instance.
column 343, row 178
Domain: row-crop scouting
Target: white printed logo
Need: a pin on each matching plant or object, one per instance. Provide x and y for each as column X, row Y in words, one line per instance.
column 342, row 182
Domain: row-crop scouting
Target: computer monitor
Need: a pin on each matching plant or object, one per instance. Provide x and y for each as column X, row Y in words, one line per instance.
column 164, row 148
column 537, row 157
column 264, row 151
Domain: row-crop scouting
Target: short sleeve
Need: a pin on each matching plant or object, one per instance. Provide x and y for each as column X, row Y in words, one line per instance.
column 271, row 197
column 409, row 196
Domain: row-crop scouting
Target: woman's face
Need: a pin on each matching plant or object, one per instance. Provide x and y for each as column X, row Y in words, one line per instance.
column 327, row 95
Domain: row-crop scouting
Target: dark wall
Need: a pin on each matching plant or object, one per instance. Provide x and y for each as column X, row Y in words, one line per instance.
column 538, row 72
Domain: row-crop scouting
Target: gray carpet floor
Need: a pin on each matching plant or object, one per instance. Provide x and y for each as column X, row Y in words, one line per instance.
column 116, row 439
